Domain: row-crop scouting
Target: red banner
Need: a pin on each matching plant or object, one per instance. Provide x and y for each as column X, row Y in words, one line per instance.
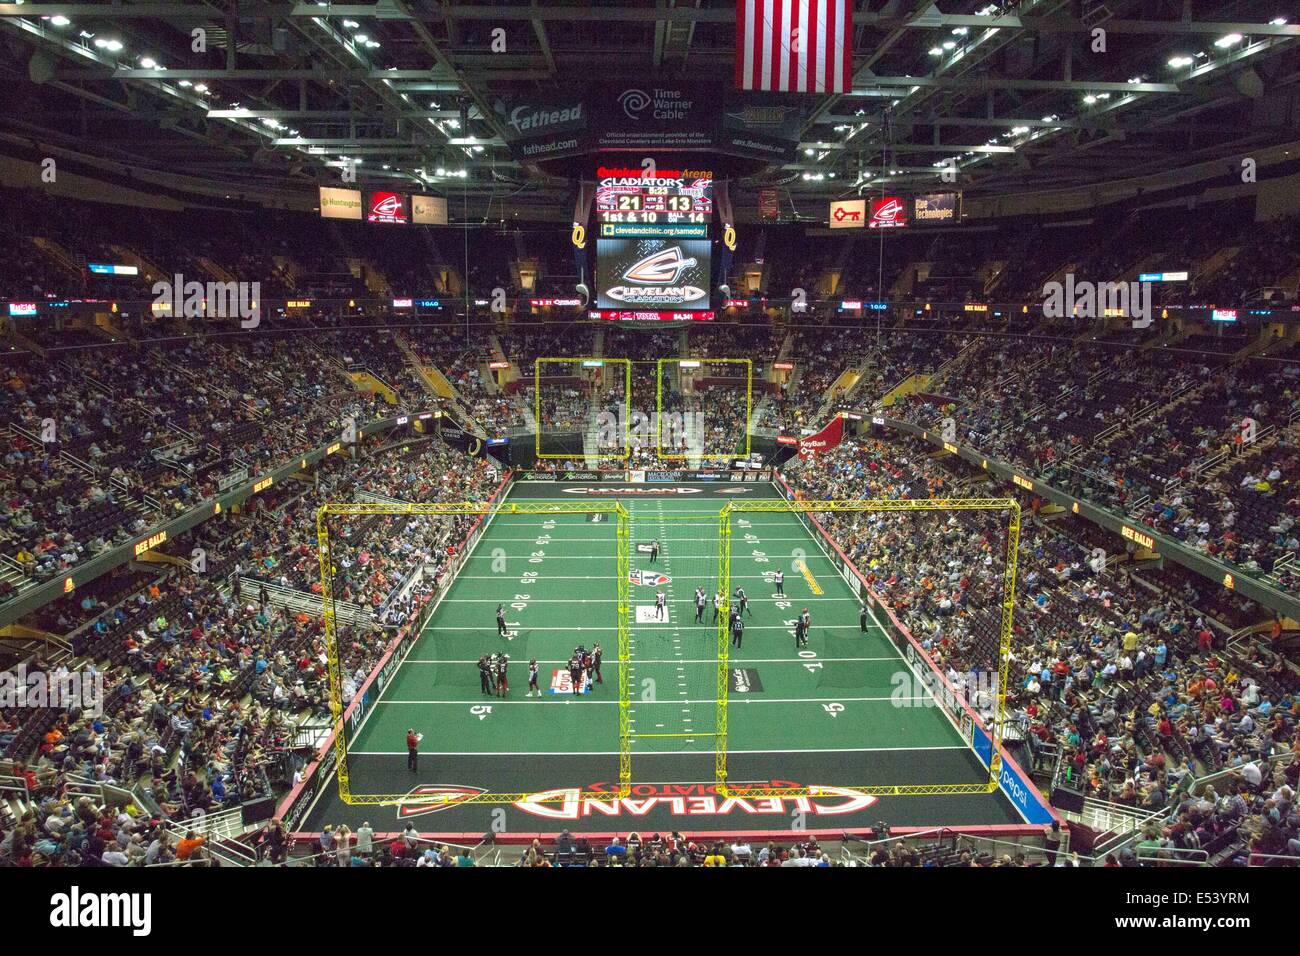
column 824, row 440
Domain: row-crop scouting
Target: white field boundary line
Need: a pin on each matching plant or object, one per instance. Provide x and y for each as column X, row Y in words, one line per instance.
column 698, row 754
column 606, row 627
column 568, row 699
column 710, row 660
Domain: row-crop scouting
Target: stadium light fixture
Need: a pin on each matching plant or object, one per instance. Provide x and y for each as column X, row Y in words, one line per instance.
column 1178, row 62
column 351, row 24
column 1090, row 99
column 148, row 62
column 936, row 51
column 362, row 38
column 59, row 20
column 1278, row 22
column 201, row 88
column 949, row 45
column 1232, row 39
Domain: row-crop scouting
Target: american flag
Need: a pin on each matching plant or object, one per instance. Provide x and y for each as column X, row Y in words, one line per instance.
column 794, row 46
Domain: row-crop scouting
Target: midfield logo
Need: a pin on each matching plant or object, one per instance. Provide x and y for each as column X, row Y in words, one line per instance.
column 649, row 579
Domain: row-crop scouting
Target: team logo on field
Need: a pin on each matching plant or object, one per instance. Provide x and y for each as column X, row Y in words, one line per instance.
column 745, row 680
column 690, row 800
column 434, row 797
column 649, row 579
column 606, row 492
column 562, row 683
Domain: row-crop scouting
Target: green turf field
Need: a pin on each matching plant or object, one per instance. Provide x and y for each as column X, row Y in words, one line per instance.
column 827, row 714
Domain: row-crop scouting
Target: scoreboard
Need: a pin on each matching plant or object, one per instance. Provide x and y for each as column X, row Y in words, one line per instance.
column 670, row 204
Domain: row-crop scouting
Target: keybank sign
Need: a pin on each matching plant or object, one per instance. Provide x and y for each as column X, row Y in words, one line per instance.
column 1021, row 794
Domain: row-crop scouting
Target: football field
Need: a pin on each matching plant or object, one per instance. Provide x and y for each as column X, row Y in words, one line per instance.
column 842, row 713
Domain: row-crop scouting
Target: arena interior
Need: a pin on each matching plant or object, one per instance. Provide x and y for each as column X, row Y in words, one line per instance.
column 684, row 433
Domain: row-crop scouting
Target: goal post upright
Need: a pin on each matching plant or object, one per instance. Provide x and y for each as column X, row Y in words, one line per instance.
column 625, row 411
column 659, row 406
column 1007, row 606
column 487, row 512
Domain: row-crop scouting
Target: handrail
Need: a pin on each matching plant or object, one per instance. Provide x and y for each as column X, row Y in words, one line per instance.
column 388, row 841
column 1153, row 854
column 1295, row 860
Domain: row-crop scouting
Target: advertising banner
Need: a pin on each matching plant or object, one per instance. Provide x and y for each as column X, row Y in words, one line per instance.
column 937, row 208
column 847, row 214
column 429, row 210
column 386, row 207
column 827, row 438
column 888, row 212
column 340, row 203
column 668, row 116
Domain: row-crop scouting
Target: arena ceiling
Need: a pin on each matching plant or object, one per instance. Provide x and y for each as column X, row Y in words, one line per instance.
column 283, row 94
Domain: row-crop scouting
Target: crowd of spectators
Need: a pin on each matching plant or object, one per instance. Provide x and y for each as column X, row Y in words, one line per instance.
column 1132, row 686
column 1143, row 435
column 206, row 677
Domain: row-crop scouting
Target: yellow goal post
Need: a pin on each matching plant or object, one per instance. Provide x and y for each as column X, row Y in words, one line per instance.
column 900, row 635
column 487, row 512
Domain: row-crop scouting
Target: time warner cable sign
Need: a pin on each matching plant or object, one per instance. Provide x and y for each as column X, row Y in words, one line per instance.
column 652, row 273
column 646, row 116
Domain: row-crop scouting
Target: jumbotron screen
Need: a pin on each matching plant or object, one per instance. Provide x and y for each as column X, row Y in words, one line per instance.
column 652, row 274
column 675, row 203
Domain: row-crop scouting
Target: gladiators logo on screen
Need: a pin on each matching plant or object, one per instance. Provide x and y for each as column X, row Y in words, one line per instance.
column 659, row 273
column 387, row 207
column 889, row 212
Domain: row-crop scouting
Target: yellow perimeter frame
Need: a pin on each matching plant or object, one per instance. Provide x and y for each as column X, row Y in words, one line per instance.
column 487, row 511
column 659, row 406
column 627, row 405
column 798, row 507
